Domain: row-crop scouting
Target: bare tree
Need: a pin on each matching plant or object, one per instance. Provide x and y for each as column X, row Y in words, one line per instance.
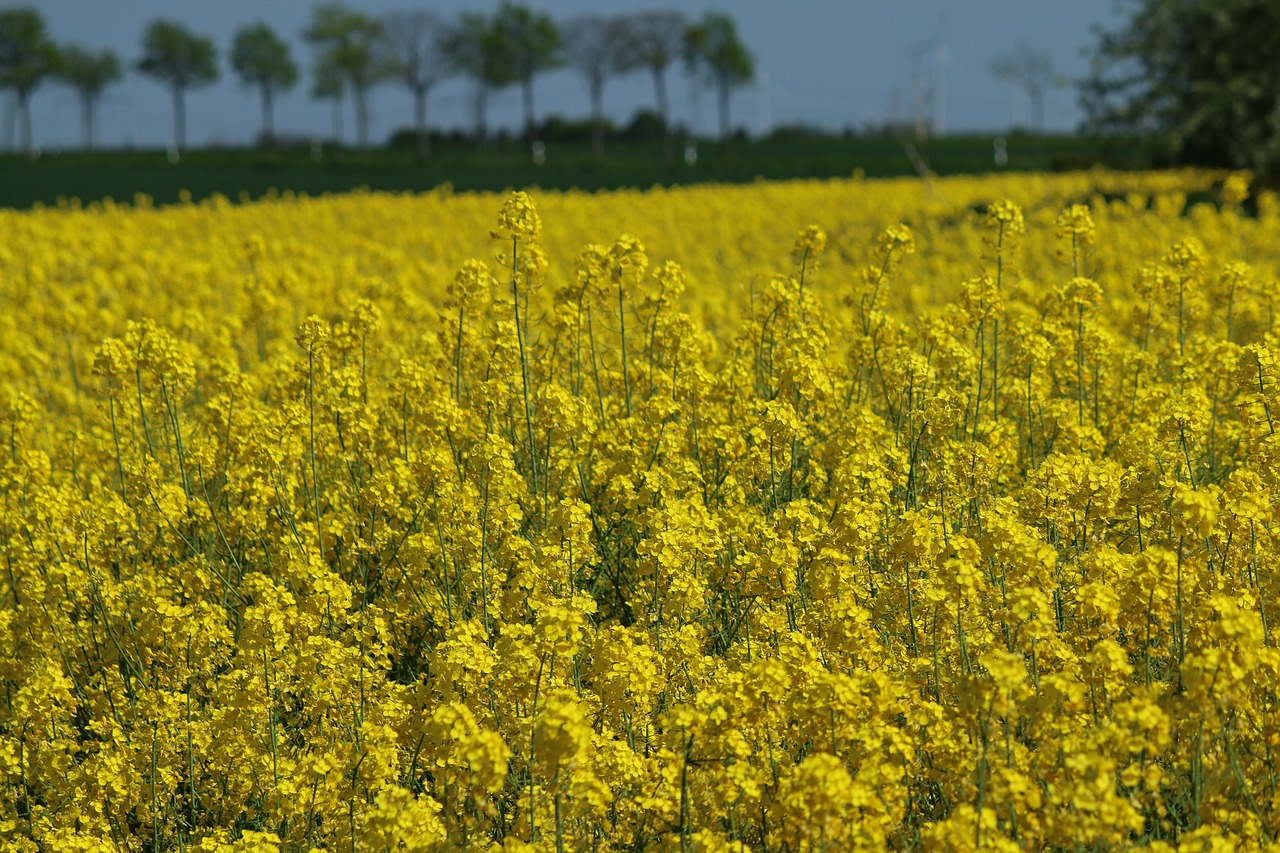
column 595, row 47
column 656, row 39
column 419, row 59
column 1033, row 72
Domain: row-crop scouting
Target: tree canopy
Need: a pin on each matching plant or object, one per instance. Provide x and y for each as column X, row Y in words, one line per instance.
column 261, row 58
column 174, row 55
column 1201, row 72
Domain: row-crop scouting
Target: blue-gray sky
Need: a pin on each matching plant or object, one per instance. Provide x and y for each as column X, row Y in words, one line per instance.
column 832, row 63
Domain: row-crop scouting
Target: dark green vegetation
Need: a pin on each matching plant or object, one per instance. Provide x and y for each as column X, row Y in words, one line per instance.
column 501, row 165
column 1202, row 73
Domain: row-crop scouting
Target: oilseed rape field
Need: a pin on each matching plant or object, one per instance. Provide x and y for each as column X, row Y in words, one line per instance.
column 809, row 516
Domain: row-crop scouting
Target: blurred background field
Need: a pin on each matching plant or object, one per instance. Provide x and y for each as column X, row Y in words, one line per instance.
column 505, row 164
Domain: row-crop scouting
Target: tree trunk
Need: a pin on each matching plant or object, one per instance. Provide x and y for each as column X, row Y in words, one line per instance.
column 360, row 95
column 480, row 107
column 10, row 122
column 1037, row 119
column 24, row 113
column 337, row 121
column 268, row 116
column 1036, row 96
column 724, row 91
column 597, row 120
column 420, row 123
column 530, row 124
column 179, row 119
column 86, row 121
column 664, row 112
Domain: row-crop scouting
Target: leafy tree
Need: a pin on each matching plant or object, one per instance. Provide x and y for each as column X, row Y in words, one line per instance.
column 1031, row 71
column 656, row 40
column 349, row 41
column 27, row 57
column 1203, row 72
column 418, row 57
column 533, row 43
column 596, row 48
column 179, row 58
column 712, row 48
column 473, row 46
column 261, row 58
column 89, row 73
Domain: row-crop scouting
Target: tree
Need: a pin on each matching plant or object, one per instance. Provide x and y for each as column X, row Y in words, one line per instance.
column 596, row 48
column 656, row 40
column 349, row 41
column 1031, row 71
column 179, row 58
column 473, row 46
column 89, row 73
column 712, row 47
column 533, row 42
column 27, row 57
column 328, row 84
column 418, row 57
column 1202, row 72
column 261, row 58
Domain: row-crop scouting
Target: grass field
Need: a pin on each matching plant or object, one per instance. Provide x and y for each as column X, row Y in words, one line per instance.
column 502, row 165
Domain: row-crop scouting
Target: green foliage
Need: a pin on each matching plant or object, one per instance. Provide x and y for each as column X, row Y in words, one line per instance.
column 261, row 58
column 87, row 71
column 349, row 41
column 1203, row 72
column 174, row 55
column 475, row 47
column 712, row 46
column 531, row 39
column 27, row 55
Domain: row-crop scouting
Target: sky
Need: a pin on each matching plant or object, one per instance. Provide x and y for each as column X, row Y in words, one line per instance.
column 827, row 63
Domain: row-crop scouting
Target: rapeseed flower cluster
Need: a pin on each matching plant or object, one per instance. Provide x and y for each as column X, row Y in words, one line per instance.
column 806, row 516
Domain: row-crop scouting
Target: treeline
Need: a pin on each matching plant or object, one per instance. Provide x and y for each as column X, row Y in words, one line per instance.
column 352, row 52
